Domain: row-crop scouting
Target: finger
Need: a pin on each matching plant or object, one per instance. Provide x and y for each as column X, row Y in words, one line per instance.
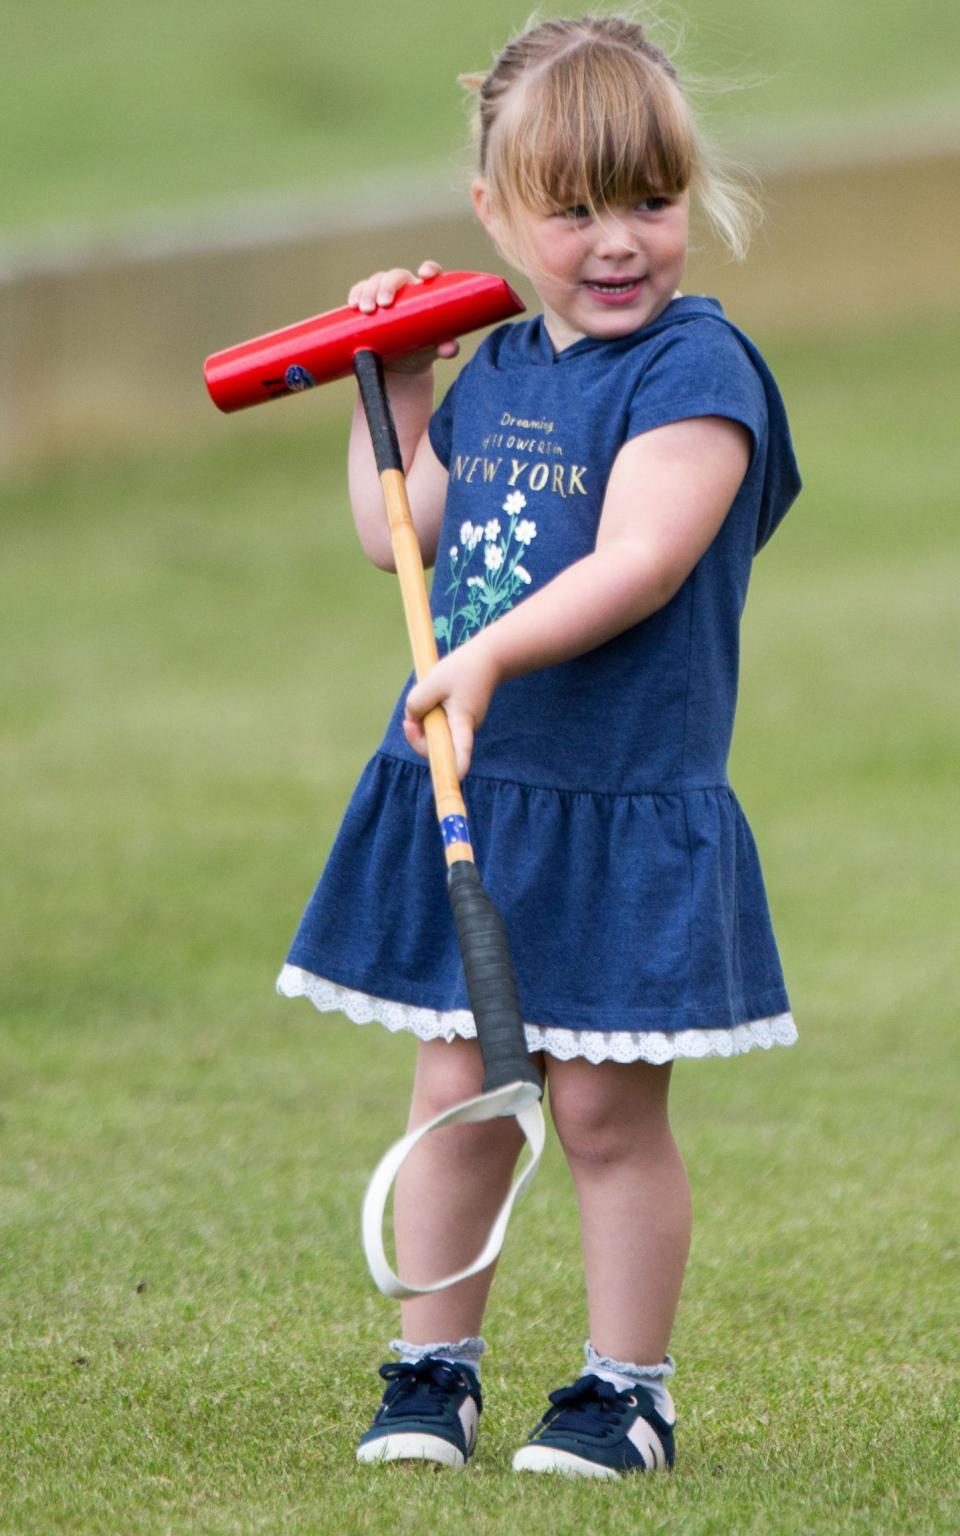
column 363, row 294
column 417, row 703
column 356, row 289
column 416, row 736
column 461, row 729
column 429, row 691
column 390, row 284
column 379, row 290
column 448, row 349
column 429, row 269
column 461, row 734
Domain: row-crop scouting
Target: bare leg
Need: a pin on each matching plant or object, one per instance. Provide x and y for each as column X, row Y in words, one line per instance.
column 448, row 1193
column 634, row 1200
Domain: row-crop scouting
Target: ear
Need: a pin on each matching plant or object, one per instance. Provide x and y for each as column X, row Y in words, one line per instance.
column 480, row 194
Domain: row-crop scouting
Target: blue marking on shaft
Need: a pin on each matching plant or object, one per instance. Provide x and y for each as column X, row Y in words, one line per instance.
column 454, row 829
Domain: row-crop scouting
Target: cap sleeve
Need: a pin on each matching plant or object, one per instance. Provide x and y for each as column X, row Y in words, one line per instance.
column 700, row 370
column 709, row 368
column 440, row 428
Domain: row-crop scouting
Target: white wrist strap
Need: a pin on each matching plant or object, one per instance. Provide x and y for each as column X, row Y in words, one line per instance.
column 520, row 1099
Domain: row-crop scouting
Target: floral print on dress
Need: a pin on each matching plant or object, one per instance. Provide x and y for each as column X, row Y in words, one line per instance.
column 485, row 574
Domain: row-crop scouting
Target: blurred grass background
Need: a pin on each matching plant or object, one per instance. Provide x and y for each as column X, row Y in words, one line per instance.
column 197, row 661
column 108, row 106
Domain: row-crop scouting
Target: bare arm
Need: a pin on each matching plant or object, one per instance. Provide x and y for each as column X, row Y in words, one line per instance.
column 668, row 494
column 410, row 389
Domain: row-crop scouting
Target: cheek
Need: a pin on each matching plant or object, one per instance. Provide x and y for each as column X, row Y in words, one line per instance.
column 672, row 250
column 680, row 237
column 554, row 271
column 561, row 247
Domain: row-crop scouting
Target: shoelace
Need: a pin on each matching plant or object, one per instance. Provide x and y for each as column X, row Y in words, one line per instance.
column 591, row 1406
column 423, row 1386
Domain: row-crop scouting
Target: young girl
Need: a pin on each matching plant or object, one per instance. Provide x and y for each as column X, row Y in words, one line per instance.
column 592, row 489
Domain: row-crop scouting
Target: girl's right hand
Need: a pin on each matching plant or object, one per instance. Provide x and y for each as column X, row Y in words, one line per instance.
column 379, row 291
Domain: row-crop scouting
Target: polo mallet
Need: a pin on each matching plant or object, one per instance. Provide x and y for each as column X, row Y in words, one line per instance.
column 327, row 347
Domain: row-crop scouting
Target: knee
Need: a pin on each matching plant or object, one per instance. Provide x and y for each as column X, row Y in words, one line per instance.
column 597, row 1125
column 587, row 1135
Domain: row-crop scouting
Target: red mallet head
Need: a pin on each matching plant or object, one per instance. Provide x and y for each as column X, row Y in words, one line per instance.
column 316, row 351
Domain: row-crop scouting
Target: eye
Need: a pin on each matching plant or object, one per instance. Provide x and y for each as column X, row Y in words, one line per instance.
column 654, row 204
column 576, row 213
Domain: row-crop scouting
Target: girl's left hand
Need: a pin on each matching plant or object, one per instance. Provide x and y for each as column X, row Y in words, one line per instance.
column 463, row 683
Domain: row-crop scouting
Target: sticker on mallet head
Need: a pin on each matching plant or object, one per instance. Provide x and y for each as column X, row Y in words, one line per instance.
column 298, row 378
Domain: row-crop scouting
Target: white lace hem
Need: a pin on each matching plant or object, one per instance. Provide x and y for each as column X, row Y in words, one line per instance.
column 655, row 1046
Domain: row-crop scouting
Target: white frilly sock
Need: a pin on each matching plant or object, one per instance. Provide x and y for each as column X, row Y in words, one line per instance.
column 624, row 1374
column 467, row 1351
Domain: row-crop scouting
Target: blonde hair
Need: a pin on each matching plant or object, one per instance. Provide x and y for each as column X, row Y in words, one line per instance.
column 590, row 111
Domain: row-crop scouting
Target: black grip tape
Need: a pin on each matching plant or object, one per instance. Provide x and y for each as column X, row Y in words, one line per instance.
column 376, row 405
column 490, row 984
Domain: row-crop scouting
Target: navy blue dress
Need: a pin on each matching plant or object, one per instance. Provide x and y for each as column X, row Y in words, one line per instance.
column 603, row 822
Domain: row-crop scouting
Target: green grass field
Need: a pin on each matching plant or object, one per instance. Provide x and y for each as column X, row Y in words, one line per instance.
column 197, row 661
column 113, row 106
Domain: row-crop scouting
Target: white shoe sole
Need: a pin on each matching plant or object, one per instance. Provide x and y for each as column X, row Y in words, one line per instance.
column 411, row 1447
column 540, row 1458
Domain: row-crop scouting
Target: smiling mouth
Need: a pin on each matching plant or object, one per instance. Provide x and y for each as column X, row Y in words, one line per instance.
column 615, row 291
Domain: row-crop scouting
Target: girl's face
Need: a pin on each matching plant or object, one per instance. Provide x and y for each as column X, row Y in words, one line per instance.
column 603, row 276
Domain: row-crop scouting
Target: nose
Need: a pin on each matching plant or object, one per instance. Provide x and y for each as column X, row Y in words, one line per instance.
column 614, row 236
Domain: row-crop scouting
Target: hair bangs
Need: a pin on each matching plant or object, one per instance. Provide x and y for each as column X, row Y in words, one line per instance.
column 598, row 126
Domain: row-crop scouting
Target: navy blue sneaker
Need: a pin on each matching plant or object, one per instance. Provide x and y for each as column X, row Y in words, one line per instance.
column 592, row 1430
column 429, row 1412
